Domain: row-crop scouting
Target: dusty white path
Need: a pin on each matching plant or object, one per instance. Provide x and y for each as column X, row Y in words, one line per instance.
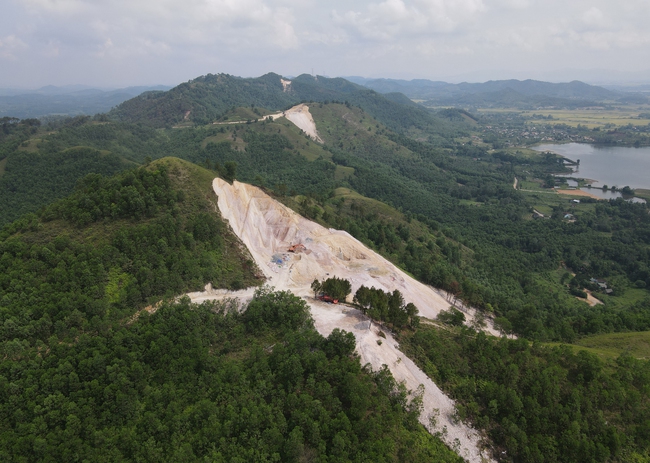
column 435, row 402
column 268, row 228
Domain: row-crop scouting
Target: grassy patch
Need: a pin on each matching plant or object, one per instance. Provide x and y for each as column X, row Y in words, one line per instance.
column 531, row 185
column 30, row 146
column 642, row 193
column 629, row 297
column 604, row 354
column 244, row 114
column 611, row 345
column 637, row 344
column 343, row 172
column 368, row 205
column 237, row 143
column 522, row 153
column 543, row 200
column 218, row 138
column 467, row 202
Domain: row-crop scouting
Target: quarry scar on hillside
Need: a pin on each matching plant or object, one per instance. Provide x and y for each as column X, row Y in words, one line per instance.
column 269, row 229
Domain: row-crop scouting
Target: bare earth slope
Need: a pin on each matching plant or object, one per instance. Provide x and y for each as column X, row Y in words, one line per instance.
column 269, row 228
column 302, row 118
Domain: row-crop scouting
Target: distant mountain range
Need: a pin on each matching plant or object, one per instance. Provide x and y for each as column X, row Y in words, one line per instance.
column 70, row 100
column 502, row 92
column 209, row 97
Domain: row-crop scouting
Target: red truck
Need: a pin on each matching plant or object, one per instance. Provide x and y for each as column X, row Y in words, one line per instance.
column 328, row 299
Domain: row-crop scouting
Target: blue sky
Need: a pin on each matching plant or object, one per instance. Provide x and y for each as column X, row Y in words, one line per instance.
column 139, row 42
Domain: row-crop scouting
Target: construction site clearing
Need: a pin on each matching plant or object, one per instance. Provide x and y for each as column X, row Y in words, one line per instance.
column 269, row 230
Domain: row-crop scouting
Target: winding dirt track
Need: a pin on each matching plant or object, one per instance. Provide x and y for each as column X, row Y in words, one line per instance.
column 268, row 228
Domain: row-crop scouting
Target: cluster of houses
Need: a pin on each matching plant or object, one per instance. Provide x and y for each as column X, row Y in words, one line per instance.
column 602, row 285
column 516, row 136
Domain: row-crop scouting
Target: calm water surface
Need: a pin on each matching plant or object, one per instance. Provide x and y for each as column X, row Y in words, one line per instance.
column 607, row 165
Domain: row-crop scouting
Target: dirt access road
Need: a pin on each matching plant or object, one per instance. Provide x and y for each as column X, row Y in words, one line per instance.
column 299, row 115
column 268, row 228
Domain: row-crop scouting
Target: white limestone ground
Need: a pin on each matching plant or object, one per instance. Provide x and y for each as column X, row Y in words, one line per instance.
column 268, row 228
column 301, row 117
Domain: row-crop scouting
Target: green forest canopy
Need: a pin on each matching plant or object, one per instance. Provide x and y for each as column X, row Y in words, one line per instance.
column 87, row 374
column 73, row 272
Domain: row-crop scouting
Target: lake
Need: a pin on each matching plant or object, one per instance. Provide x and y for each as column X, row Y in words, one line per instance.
column 607, row 165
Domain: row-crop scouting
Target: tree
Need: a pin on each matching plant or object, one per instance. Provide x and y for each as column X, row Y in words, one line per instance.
column 231, row 170
column 363, row 298
column 396, row 309
column 316, row 287
column 503, row 325
column 452, row 317
column 627, row 191
column 388, row 307
column 340, row 343
column 337, row 288
column 281, row 189
column 412, row 312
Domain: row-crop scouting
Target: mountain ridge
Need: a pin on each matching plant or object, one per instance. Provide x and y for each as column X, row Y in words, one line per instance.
column 564, row 94
column 208, row 98
column 427, row 89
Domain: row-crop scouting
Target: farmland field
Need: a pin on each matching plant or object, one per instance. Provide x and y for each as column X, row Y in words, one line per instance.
column 591, row 118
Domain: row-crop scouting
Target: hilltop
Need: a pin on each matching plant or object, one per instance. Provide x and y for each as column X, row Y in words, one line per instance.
column 208, row 98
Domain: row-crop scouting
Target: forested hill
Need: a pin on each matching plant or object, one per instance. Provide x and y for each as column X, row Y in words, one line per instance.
column 208, row 98
column 97, row 366
column 509, row 98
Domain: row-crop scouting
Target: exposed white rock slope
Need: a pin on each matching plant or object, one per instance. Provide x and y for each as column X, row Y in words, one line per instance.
column 268, row 228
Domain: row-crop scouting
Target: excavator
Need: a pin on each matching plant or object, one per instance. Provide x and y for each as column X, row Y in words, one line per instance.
column 297, row 248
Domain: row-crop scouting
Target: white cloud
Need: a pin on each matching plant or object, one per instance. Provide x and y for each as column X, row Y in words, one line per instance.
column 594, row 17
column 513, row 4
column 10, row 46
column 56, row 6
column 392, row 19
column 239, row 23
column 52, row 49
column 432, row 48
column 172, row 40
